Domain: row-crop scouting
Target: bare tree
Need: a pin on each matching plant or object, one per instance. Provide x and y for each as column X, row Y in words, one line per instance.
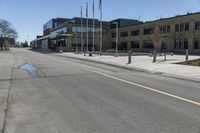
column 6, row 31
column 156, row 38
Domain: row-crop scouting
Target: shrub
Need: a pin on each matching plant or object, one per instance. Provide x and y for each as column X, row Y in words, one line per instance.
column 6, row 45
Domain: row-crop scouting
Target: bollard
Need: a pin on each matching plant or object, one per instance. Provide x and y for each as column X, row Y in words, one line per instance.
column 84, row 53
column 90, row 54
column 154, row 56
column 186, row 55
column 165, row 56
column 129, row 57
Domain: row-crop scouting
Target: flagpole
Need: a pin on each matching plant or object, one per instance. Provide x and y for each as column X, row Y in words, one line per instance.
column 101, row 28
column 87, row 24
column 81, row 30
column 93, row 27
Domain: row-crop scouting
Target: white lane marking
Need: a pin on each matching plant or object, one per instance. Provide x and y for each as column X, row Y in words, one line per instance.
column 147, row 88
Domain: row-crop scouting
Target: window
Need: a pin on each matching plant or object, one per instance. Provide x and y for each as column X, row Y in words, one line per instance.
column 168, row 28
column 177, row 27
column 135, row 33
column 181, row 44
column 124, row 34
column 197, row 25
column 113, row 45
column 148, row 31
column 148, row 44
column 135, row 44
column 176, row 44
column 181, row 27
column 113, row 35
column 123, row 46
column 187, row 26
column 196, row 43
column 165, row 29
column 105, row 30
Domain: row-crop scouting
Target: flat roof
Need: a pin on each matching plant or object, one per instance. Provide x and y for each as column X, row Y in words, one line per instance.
column 174, row 17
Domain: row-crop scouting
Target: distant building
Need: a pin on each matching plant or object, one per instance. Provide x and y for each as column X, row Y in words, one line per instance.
column 66, row 33
column 178, row 34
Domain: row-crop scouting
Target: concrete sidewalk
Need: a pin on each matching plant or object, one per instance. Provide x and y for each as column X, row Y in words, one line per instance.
column 6, row 65
column 144, row 63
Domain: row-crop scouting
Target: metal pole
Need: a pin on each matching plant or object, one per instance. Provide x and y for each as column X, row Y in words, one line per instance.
column 165, row 53
column 117, row 40
column 101, row 30
column 76, row 42
column 129, row 57
column 93, row 37
column 87, row 34
column 187, row 55
column 117, row 32
column 87, row 26
column 93, row 27
column 81, row 31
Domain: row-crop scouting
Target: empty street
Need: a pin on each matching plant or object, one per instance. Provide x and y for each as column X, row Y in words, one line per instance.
column 71, row 96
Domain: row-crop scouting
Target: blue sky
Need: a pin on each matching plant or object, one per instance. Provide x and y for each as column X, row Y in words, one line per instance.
column 28, row 16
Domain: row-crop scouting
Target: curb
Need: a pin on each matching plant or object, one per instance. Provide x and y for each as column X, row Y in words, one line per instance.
column 134, row 68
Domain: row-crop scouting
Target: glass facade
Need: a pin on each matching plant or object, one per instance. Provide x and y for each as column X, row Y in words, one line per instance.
column 90, row 40
column 48, row 25
column 63, row 30
column 84, row 29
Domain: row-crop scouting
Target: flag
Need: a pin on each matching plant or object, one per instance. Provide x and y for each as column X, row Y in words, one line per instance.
column 87, row 10
column 100, row 4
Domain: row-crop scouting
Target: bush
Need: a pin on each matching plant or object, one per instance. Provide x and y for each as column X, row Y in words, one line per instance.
column 6, row 45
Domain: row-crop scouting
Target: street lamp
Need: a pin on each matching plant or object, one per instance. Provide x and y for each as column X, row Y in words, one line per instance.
column 117, row 31
column 76, row 41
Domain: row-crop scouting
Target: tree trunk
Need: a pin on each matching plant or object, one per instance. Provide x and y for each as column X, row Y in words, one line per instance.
column 1, row 43
column 1, row 46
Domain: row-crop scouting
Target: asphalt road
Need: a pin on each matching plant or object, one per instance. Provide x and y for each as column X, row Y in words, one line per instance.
column 71, row 96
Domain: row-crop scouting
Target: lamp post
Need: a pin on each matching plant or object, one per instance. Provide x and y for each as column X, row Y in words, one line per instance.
column 76, row 41
column 117, row 31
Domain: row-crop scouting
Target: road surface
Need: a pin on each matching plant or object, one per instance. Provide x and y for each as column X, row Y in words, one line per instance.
column 70, row 96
